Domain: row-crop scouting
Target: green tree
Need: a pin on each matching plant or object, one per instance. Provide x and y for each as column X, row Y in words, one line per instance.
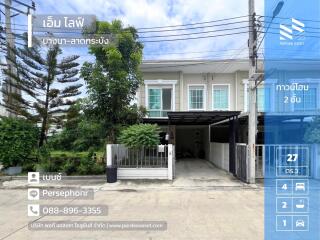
column 140, row 135
column 114, row 77
column 47, row 84
column 79, row 132
column 18, row 139
column 312, row 133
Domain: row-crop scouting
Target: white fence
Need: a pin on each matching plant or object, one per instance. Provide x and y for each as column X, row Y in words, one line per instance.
column 147, row 163
column 266, row 156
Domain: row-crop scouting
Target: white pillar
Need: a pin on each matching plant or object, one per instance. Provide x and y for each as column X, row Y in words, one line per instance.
column 109, row 155
column 170, row 161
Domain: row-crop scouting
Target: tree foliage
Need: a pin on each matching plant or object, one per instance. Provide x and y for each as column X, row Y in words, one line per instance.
column 312, row 133
column 79, row 133
column 113, row 79
column 18, row 139
column 140, row 135
column 46, row 84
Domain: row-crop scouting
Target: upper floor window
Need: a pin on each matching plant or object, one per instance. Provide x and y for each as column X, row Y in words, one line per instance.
column 307, row 99
column 160, row 101
column 220, row 97
column 196, row 97
column 263, row 99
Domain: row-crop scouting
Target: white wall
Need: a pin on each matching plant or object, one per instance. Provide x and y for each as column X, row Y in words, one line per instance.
column 184, row 79
column 219, row 155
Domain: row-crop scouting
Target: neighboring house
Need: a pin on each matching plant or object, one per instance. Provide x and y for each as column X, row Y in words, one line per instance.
column 202, row 106
column 3, row 111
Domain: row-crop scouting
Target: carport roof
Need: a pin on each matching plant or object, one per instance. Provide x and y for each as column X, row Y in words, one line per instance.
column 193, row 117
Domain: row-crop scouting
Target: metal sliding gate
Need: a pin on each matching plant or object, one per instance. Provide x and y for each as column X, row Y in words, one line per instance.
column 242, row 161
column 266, row 158
column 156, row 162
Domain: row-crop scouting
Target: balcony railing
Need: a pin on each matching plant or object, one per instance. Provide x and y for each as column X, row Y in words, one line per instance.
column 158, row 113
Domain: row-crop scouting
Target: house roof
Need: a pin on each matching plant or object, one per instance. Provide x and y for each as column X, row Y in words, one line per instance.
column 193, row 117
column 228, row 65
column 196, row 66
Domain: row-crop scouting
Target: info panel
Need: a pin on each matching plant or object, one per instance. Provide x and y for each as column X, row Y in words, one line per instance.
column 291, row 90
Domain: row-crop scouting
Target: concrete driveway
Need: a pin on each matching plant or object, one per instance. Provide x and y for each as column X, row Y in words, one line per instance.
column 202, row 203
column 199, row 172
column 232, row 213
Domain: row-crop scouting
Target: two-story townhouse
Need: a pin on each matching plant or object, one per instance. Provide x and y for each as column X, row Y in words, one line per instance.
column 194, row 102
column 202, row 105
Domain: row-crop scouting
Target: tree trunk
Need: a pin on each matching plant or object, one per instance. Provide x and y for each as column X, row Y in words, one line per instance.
column 43, row 135
column 112, row 136
column 43, row 132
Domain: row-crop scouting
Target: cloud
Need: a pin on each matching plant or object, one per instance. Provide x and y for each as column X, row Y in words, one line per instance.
column 151, row 13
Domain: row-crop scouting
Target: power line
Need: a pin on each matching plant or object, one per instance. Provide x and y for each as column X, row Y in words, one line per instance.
column 181, row 53
column 142, row 32
column 157, row 36
column 284, row 18
column 186, row 34
column 295, row 35
column 178, row 39
column 278, row 23
column 181, row 25
column 192, row 28
column 191, row 24
column 194, row 38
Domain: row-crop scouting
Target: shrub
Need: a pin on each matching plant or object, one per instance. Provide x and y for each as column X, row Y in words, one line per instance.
column 312, row 133
column 86, row 165
column 140, row 135
column 18, row 138
column 88, row 134
column 72, row 163
column 70, row 166
column 89, row 165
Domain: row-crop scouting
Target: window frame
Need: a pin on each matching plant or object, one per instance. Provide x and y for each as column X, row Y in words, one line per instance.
column 160, row 84
column 229, row 96
column 204, row 88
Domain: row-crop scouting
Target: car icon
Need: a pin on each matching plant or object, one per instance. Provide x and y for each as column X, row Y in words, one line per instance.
column 300, row 223
column 300, row 187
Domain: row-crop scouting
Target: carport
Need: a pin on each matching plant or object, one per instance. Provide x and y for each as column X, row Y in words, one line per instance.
column 191, row 132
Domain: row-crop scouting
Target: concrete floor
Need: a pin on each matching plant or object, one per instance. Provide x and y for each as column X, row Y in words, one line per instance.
column 194, row 172
column 235, row 214
column 202, row 203
column 190, row 173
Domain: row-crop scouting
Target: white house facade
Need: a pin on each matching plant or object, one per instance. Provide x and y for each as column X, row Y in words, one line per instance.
column 202, row 106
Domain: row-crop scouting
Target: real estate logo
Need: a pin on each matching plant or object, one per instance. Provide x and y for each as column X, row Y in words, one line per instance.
column 292, row 34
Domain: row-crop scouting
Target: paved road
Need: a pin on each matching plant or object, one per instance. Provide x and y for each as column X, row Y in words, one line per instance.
column 220, row 213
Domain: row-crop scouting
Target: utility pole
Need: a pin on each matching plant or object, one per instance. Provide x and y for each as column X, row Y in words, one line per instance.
column 11, row 57
column 9, row 87
column 252, row 124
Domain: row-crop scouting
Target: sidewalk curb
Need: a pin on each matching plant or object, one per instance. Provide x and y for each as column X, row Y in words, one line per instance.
column 86, row 177
column 5, row 178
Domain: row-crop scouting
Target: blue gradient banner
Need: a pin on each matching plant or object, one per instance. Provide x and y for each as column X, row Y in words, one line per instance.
column 291, row 120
